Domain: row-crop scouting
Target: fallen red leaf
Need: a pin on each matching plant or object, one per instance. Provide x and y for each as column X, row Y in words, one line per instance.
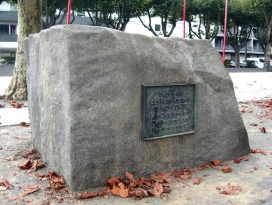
column 184, row 176
column 30, row 200
column 223, row 164
column 156, row 178
column 131, row 181
column 230, row 190
column 57, row 186
column 56, row 182
column 198, row 180
column 215, row 162
column 36, row 164
column 29, row 190
column 6, row 184
column 186, row 171
column 226, row 169
column 158, row 189
column 204, row 166
column 164, row 197
column 258, row 151
column 26, row 165
column 120, row 190
column 16, row 104
column 113, row 181
column 166, row 189
column 56, row 179
column 262, row 129
column 2, row 105
column 130, row 176
column 60, row 199
column 237, row 160
column 253, row 124
column 24, row 124
column 86, row 195
column 244, row 159
column 32, row 154
column 165, row 177
column 138, row 193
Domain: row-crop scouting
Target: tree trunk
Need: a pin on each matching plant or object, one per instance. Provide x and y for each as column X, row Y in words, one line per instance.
column 29, row 21
column 237, row 58
column 267, row 53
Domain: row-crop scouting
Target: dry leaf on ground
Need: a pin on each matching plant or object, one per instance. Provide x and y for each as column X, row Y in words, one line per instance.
column 164, row 197
column 226, row 169
column 158, row 189
column 215, row 162
column 29, row 190
column 198, row 180
column 24, row 124
column 230, row 190
column 5, row 185
column 32, row 154
column 262, row 129
column 113, row 181
column 120, row 190
column 258, row 151
column 86, row 195
column 237, row 160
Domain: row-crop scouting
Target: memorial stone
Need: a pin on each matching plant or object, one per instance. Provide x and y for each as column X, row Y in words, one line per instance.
column 103, row 102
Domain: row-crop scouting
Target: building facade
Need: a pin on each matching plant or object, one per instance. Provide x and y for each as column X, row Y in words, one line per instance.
column 8, row 29
column 9, row 19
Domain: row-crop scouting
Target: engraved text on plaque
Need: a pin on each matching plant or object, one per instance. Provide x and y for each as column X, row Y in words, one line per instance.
column 167, row 111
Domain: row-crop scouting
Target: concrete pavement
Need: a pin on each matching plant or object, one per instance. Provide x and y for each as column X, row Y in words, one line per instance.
column 8, row 114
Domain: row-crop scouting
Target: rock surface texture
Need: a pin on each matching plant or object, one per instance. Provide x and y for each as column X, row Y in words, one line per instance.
column 84, row 86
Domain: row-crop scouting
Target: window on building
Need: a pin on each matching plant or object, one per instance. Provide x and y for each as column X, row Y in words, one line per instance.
column 5, row 53
column 218, row 41
column 4, row 29
column 157, row 27
column 12, row 29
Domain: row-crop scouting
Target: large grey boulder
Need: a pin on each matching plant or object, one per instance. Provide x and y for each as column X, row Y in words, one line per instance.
column 85, row 89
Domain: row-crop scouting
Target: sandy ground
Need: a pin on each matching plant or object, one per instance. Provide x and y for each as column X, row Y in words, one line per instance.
column 253, row 176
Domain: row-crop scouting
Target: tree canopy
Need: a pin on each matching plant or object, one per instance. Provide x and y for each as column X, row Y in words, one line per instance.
column 204, row 18
column 263, row 27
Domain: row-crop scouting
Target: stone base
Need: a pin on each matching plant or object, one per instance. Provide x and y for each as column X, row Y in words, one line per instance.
column 84, row 86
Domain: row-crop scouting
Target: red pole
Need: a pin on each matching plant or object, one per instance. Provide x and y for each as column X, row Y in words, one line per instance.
column 69, row 11
column 225, row 31
column 184, row 17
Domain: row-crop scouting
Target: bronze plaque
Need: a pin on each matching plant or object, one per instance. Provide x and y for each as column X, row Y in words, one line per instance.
column 167, row 110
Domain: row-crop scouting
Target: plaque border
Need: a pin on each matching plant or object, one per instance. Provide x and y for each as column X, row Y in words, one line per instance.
column 143, row 134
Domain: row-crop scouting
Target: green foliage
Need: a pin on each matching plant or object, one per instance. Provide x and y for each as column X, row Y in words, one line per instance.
column 250, row 64
column 112, row 14
column 227, row 63
column 168, row 10
column 204, row 18
column 7, row 60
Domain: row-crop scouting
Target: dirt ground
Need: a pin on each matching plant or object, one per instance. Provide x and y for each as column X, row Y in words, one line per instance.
column 253, row 176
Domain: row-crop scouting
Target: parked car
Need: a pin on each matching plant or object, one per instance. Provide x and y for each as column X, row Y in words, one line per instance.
column 259, row 62
column 243, row 64
column 2, row 61
column 232, row 64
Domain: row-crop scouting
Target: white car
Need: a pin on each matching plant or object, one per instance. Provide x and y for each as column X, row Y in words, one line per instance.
column 259, row 62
